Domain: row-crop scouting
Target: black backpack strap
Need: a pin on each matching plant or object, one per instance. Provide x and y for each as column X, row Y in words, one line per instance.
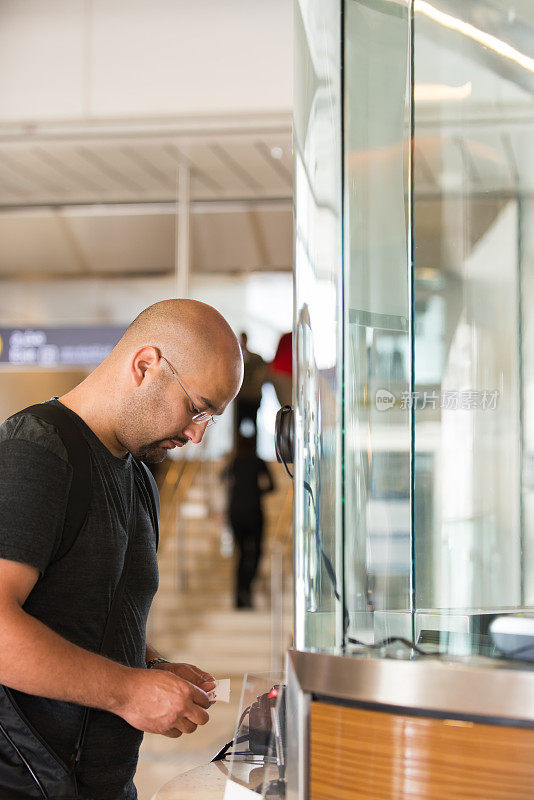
column 110, row 628
column 152, row 495
column 80, row 461
column 150, row 490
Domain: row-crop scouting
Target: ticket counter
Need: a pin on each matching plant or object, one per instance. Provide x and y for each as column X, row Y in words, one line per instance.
column 383, row 728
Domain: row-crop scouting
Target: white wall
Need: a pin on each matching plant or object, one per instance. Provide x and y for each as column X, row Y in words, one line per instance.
column 72, row 59
column 261, row 304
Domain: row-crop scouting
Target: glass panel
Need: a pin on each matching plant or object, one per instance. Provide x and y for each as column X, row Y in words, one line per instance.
column 317, row 136
column 525, row 143
column 473, row 156
column 435, row 469
column 377, row 338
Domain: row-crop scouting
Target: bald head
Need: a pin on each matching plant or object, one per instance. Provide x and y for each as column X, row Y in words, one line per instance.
column 178, row 363
column 189, row 332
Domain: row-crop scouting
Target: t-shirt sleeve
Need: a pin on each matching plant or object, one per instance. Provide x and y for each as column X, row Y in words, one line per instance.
column 34, row 490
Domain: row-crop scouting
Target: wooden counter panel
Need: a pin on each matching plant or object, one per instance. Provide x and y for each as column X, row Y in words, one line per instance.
column 355, row 753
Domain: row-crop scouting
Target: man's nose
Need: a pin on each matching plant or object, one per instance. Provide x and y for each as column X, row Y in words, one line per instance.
column 195, row 431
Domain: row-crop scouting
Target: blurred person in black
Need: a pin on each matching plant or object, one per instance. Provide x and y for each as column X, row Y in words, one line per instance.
column 248, row 478
column 249, row 398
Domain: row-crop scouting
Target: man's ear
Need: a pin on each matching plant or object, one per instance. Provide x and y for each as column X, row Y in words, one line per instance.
column 144, row 360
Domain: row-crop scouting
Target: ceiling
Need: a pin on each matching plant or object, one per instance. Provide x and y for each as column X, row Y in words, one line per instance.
column 104, row 204
column 97, row 196
column 104, row 201
column 143, row 168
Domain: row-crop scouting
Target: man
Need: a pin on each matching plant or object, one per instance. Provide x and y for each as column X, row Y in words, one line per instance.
column 177, row 364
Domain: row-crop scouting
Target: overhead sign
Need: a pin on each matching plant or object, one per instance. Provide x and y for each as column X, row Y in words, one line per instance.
column 51, row 347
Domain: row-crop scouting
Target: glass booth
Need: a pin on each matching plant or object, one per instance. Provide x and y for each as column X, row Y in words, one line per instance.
column 414, row 332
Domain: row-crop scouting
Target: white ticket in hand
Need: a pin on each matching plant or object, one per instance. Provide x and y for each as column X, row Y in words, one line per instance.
column 221, row 691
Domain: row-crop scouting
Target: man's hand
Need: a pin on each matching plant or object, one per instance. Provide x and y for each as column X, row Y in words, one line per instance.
column 188, row 672
column 158, row 701
column 152, row 700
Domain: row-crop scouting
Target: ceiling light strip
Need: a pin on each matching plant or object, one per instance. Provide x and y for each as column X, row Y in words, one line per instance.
column 484, row 38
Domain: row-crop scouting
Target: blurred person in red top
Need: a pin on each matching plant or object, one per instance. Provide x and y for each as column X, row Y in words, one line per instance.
column 281, row 369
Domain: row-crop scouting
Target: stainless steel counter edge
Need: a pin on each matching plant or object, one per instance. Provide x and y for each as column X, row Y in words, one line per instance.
column 473, row 688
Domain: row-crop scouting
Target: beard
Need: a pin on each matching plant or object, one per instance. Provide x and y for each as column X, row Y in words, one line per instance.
column 145, row 417
column 154, row 453
column 151, row 453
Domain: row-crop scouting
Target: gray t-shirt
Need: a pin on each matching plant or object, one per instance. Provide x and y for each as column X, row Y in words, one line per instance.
column 73, row 595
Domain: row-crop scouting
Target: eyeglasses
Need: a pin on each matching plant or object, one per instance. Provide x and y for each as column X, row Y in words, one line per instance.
column 199, row 417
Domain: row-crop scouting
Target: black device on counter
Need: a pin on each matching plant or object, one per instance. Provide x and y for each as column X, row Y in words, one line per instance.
column 260, row 720
column 266, row 736
column 260, row 734
column 285, row 435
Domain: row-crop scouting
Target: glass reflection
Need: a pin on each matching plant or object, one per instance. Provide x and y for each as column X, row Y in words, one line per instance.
column 377, row 338
column 469, row 160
